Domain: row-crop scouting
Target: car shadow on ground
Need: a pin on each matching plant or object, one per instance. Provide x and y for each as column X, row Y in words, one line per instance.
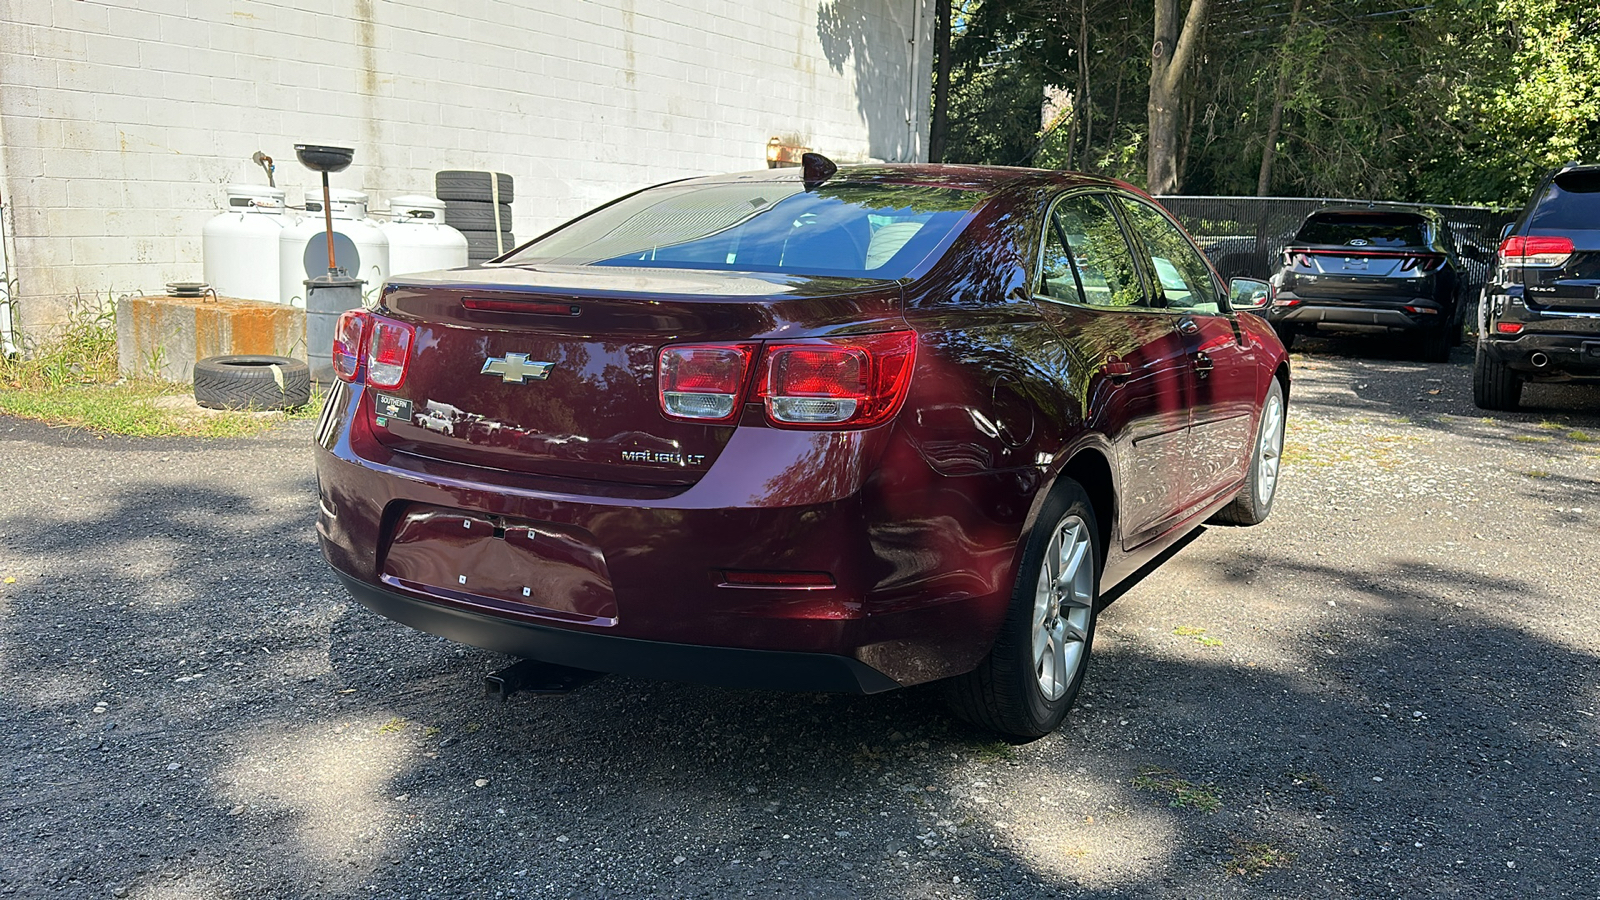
column 263, row 736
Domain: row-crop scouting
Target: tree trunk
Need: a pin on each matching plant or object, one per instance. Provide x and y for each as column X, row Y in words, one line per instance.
column 1083, row 83
column 1170, row 54
column 1275, row 120
column 939, row 128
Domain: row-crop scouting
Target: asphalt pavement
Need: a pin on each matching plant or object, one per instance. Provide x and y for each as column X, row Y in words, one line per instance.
column 1390, row 689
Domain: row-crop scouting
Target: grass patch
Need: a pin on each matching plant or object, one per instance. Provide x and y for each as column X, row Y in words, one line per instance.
column 1531, row 439
column 1179, row 792
column 393, row 726
column 993, row 751
column 1199, row 635
column 1251, row 859
column 1551, row 426
column 1581, row 437
column 1537, row 473
column 71, row 380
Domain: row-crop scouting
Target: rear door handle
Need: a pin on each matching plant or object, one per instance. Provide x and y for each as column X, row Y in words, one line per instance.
column 1203, row 364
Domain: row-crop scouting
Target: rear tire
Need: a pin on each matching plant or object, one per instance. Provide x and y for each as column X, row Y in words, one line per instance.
column 466, row 184
column 1436, row 345
column 1032, row 675
column 1254, row 502
column 1494, row 385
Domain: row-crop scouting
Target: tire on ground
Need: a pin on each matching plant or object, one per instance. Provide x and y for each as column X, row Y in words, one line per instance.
column 473, row 215
column 251, row 382
column 459, row 184
column 1004, row 694
column 1254, row 501
column 1494, row 385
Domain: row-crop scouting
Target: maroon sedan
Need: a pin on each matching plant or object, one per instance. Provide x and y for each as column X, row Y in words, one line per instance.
column 808, row 429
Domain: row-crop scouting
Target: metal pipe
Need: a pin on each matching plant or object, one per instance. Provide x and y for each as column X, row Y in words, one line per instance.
column 1539, row 360
column 327, row 217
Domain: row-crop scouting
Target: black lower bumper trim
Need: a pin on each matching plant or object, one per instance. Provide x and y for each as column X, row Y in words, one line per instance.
column 722, row 666
column 1566, row 356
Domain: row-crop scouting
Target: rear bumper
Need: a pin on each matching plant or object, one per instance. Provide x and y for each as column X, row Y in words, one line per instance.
column 723, row 666
column 1376, row 316
column 1564, row 356
column 923, row 568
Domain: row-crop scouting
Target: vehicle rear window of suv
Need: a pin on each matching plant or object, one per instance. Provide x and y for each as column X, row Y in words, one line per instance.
column 1571, row 201
column 1375, row 229
column 843, row 229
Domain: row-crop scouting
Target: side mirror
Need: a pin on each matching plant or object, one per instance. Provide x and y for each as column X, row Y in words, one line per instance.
column 1248, row 294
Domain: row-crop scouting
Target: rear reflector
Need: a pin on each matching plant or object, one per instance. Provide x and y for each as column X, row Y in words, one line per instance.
column 349, row 338
column 704, row 382
column 797, row 580
column 1421, row 310
column 1535, row 251
column 1509, row 327
column 388, row 352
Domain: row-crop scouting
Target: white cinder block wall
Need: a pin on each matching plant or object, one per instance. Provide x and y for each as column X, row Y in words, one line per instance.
column 120, row 120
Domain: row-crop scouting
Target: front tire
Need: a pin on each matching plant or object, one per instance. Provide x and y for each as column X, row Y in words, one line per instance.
column 1032, row 675
column 1254, row 502
column 1494, row 385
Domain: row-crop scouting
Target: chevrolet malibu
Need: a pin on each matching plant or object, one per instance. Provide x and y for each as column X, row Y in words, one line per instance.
column 837, row 429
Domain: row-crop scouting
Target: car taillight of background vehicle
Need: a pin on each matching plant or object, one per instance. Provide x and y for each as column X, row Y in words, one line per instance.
column 388, row 352
column 704, row 382
column 349, row 344
column 1427, row 262
column 842, row 382
column 1535, row 251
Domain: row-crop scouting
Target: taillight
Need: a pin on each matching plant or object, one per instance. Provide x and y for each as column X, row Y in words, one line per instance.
column 388, row 352
column 843, row 382
column 704, row 382
column 831, row 382
column 349, row 338
column 1425, row 262
column 1508, row 327
column 1535, row 251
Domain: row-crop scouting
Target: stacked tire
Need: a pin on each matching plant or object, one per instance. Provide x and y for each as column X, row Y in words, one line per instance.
column 478, row 204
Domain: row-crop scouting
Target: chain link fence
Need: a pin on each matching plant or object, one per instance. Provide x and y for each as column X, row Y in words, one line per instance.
column 1245, row 236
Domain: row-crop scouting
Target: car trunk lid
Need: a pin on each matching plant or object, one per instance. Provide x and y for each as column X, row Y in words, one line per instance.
column 552, row 371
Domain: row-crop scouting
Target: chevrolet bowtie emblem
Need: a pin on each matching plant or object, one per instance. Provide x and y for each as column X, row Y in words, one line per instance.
column 515, row 368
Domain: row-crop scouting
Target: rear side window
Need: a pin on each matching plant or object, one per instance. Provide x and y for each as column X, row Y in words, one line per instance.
column 841, row 229
column 1086, row 255
column 1363, row 230
column 1570, row 202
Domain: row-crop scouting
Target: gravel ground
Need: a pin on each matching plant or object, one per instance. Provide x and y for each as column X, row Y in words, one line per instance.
column 1388, row 689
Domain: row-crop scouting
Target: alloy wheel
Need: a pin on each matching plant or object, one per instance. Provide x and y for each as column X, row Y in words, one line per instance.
column 1063, row 607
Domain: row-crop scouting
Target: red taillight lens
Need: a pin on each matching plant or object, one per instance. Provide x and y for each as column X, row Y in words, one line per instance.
column 349, row 337
column 1535, row 251
column 388, row 352
column 831, row 382
column 1509, row 327
column 704, row 382
column 1425, row 262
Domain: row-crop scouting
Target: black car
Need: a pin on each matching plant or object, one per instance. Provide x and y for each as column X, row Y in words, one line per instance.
column 1540, row 316
column 1370, row 269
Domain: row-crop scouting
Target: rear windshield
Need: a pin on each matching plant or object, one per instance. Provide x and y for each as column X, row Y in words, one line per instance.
column 1570, row 202
column 1363, row 230
column 850, row 230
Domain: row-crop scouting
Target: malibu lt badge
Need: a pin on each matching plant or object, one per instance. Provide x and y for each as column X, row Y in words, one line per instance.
column 514, row 368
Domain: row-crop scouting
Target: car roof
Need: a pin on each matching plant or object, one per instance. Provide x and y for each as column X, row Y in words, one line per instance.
column 989, row 179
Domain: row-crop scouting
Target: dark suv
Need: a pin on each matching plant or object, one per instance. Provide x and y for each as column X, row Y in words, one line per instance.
column 1367, row 269
column 1540, row 316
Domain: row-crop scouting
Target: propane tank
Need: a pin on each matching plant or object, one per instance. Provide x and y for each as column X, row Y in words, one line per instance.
column 360, row 247
column 240, row 246
column 419, row 238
